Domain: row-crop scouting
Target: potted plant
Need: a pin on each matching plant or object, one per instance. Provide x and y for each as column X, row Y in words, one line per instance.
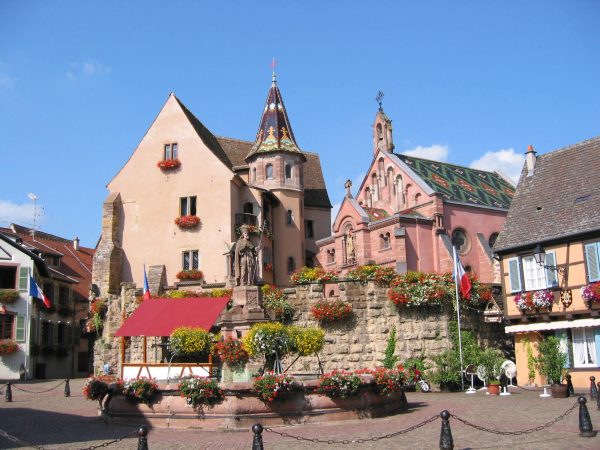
column 8, row 347
column 331, row 310
column 201, row 391
column 551, row 362
column 491, row 359
column 8, row 295
column 168, row 164
column 140, row 389
column 270, row 386
column 339, row 384
column 187, row 222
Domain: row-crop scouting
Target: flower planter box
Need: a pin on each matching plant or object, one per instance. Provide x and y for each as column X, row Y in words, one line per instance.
column 8, row 347
column 187, row 222
column 8, row 296
column 168, row 164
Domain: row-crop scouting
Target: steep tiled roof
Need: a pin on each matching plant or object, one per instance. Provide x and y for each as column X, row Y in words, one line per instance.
column 235, row 150
column 275, row 131
column 560, row 199
column 462, row 184
column 75, row 266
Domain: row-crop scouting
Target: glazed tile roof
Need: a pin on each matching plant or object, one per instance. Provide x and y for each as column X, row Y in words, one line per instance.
column 75, row 266
column 275, row 131
column 376, row 213
column 560, row 199
column 462, row 184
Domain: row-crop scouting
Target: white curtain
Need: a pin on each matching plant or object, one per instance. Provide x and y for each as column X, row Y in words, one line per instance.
column 579, row 350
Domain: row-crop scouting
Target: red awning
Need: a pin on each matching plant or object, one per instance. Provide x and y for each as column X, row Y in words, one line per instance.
column 160, row 316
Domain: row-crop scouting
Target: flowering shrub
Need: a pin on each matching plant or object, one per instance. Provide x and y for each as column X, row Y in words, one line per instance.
column 8, row 295
column 167, row 164
column 312, row 275
column 534, row 299
column 187, row 221
column 191, row 274
column 140, row 389
column 231, row 351
column 270, row 385
column 384, row 275
column 95, row 388
column 481, row 293
column 363, row 273
column 221, row 293
column 8, row 347
column 331, row 310
column 275, row 301
column 252, row 229
column 268, row 338
column 339, row 384
column 307, row 341
column 201, row 391
column 189, row 341
column 389, row 381
column 98, row 306
column 418, row 289
column 591, row 292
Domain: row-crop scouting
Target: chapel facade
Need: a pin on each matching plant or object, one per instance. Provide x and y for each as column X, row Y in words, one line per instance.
column 179, row 202
column 409, row 212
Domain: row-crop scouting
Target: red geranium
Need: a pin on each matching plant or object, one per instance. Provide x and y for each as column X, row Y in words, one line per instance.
column 167, row 164
column 187, row 221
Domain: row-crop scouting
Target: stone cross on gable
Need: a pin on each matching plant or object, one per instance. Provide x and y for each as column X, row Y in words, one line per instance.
column 348, row 185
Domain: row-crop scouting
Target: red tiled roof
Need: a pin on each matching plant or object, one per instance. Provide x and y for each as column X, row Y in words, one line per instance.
column 74, row 265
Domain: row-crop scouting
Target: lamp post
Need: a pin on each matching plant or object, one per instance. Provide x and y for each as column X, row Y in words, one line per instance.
column 539, row 255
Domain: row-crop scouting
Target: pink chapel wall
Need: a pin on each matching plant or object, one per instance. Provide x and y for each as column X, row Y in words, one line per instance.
column 150, row 200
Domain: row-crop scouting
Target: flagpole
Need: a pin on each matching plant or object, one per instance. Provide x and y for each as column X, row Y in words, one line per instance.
column 462, row 378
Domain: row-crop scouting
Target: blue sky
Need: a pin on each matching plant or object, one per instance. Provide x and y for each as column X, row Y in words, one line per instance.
column 468, row 82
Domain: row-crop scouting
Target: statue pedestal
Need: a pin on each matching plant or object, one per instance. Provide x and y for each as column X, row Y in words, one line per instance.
column 248, row 297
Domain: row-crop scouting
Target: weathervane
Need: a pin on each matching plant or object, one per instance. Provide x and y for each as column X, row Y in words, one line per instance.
column 379, row 99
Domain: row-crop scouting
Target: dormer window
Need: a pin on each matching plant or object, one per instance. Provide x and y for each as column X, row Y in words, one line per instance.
column 269, row 171
column 171, row 151
column 52, row 260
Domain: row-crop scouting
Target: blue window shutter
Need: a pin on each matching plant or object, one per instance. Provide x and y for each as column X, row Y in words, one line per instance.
column 561, row 335
column 551, row 275
column 597, row 339
column 591, row 259
column 514, row 275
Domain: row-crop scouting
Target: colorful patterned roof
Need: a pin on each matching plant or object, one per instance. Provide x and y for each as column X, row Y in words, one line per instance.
column 462, row 184
column 275, row 132
column 376, row 213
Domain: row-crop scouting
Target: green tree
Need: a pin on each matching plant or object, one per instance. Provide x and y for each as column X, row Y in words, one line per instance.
column 390, row 360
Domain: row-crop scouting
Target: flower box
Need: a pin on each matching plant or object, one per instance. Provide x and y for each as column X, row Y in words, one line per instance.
column 8, row 347
column 189, row 275
column 8, row 295
column 331, row 310
column 271, row 386
column 187, row 221
column 591, row 293
column 168, row 164
column 540, row 299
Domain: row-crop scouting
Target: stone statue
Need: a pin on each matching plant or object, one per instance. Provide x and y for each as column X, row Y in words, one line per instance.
column 350, row 253
column 245, row 259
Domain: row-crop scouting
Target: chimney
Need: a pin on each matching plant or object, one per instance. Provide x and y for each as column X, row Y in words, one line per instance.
column 76, row 243
column 530, row 160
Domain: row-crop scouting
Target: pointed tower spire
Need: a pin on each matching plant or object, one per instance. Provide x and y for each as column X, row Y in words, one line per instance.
column 275, row 131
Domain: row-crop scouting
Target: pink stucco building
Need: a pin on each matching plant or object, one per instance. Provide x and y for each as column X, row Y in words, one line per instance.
column 181, row 197
column 409, row 211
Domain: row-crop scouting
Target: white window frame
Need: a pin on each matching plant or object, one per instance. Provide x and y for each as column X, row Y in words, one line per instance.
column 188, row 205
column 190, row 255
column 586, row 337
column 524, row 274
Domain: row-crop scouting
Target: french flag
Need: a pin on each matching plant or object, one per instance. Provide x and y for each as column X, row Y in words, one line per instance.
column 461, row 277
column 147, row 294
column 36, row 292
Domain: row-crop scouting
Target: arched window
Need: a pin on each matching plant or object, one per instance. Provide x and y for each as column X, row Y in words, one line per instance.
column 375, row 186
column 380, row 167
column 417, row 199
column 390, row 176
column 492, row 239
column 254, row 174
column 291, row 264
column 368, row 197
column 384, row 241
column 289, row 219
column 399, row 189
column 288, row 171
column 379, row 132
column 331, row 255
column 269, row 171
column 460, row 240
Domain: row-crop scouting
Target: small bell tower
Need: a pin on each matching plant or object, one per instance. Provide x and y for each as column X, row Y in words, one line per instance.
column 382, row 129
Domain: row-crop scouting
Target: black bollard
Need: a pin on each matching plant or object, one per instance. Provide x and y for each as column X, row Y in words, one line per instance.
column 570, row 388
column 8, row 392
column 446, row 441
column 586, row 428
column 142, row 432
column 598, row 397
column 593, row 388
column 67, row 388
column 257, row 442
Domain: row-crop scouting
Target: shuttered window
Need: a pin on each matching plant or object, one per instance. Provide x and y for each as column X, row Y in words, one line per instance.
column 23, row 278
column 533, row 276
column 514, row 275
column 592, row 261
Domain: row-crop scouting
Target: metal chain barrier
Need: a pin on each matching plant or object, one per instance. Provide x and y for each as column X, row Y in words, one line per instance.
column 16, row 440
column 107, row 443
column 37, row 392
column 355, row 441
column 519, row 432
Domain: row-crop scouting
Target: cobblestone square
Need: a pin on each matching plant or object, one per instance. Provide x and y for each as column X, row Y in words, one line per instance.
column 52, row 421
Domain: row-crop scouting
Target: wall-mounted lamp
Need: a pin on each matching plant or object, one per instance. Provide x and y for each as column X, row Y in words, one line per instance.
column 539, row 255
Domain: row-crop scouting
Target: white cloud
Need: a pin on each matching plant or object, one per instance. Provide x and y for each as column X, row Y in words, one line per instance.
column 434, row 152
column 17, row 213
column 506, row 161
column 86, row 69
